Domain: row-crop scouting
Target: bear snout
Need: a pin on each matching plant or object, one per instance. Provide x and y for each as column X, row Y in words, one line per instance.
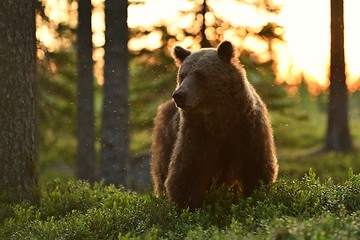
column 179, row 99
column 185, row 99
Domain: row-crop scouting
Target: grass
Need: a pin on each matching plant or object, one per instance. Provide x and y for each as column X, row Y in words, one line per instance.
column 297, row 209
column 329, row 165
column 299, row 143
column 299, row 135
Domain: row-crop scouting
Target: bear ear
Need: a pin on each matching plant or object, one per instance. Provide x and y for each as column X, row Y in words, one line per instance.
column 179, row 54
column 225, row 51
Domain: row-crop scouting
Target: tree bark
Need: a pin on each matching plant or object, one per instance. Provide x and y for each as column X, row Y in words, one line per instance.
column 204, row 41
column 85, row 96
column 18, row 150
column 338, row 135
column 114, row 132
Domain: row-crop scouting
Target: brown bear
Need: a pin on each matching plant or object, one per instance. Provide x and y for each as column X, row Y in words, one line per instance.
column 215, row 129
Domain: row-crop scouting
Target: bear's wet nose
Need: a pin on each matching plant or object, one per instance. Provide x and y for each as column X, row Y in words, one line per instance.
column 179, row 98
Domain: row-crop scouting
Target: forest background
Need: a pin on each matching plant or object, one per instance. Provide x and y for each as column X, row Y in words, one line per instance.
column 98, row 84
column 298, row 105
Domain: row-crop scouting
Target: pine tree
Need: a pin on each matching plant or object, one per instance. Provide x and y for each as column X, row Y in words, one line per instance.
column 115, row 130
column 85, row 95
column 338, row 134
column 18, row 148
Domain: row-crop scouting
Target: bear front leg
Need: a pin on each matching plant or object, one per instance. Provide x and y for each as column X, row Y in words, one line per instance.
column 158, row 177
column 164, row 137
column 252, row 177
column 190, row 174
column 187, row 188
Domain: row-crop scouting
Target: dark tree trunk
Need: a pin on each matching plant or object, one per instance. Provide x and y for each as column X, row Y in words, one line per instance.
column 18, row 150
column 204, row 41
column 114, row 132
column 85, row 96
column 338, row 136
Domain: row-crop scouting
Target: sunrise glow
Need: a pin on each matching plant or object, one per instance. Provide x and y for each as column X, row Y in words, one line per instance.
column 304, row 55
column 307, row 50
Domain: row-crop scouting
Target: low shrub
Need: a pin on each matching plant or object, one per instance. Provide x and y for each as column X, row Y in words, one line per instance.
column 288, row 209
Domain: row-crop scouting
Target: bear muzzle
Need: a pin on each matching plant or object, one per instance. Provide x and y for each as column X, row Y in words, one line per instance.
column 179, row 99
column 182, row 100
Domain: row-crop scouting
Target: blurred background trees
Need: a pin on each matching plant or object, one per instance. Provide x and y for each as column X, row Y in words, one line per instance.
column 338, row 133
column 85, row 167
column 298, row 117
column 114, row 129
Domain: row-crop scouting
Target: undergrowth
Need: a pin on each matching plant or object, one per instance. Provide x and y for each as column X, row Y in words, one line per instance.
column 289, row 209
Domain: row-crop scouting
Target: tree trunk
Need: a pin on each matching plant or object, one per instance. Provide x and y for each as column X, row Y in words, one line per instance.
column 18, row 152
column 114, row 132
column 338, row 136
column 85, row 122
column 204, row 41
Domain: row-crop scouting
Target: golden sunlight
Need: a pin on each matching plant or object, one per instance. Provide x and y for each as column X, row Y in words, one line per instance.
column 352, row 43
column 307, row 49
column 304, row 55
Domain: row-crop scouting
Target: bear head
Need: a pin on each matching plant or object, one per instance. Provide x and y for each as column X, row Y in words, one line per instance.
column 205, row 76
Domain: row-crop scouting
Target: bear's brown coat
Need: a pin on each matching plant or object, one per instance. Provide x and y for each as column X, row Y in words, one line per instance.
column 215, row 128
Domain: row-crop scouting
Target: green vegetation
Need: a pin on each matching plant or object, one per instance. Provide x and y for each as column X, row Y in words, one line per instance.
column 299, row 120
column 297, row 206
column 297, row 209
column 300, row 205
column 299, row 134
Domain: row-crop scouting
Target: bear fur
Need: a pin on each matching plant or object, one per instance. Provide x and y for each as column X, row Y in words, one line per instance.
column 215, row 129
